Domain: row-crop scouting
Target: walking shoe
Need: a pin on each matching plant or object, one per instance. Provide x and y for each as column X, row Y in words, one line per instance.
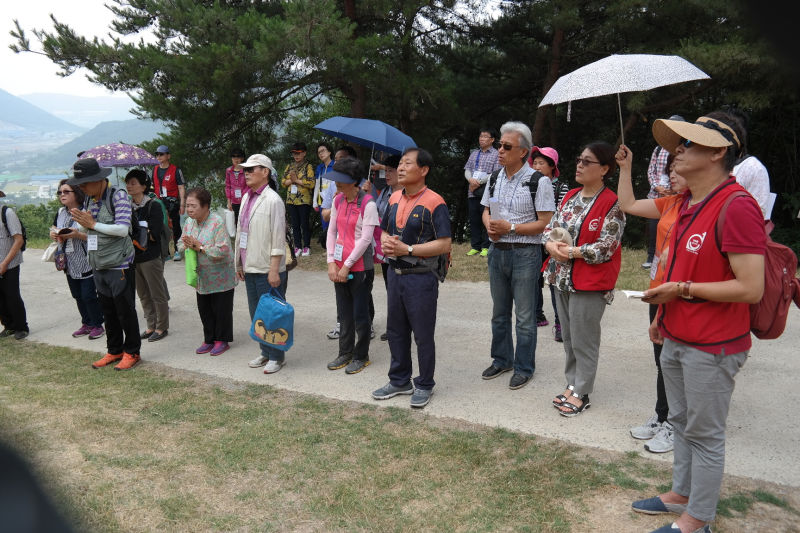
column 258, row 362
column 518, row 381
column 647, row 430
column 273, row 366
column 493, row 371
column 21, row 334
column 306, row 251
column 6, row 332
column 220, row 347
column 484, row 252
column 128, row 361
column 357, row 365
column 384, row 336
column 421, row 397
column 662, row 442
column 654, row 505
column 472, row 252
column 390, row 391
column 177, row 256
column 340, row 362
column 371, row 332
column 107, row 359
column 672, row 528
column 646, row 264
column 96, row 333
column 334, row 333
column 80, row 332
column 146, row 334
column 156, row 336
column 204, row 348
column 298, row 252
column 542, row 321
column 557, row 333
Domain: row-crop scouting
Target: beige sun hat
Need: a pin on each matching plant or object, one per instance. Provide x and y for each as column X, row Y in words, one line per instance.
column 705, row 131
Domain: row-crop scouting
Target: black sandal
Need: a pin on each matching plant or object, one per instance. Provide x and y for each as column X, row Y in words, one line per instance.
column 574, row 410
column 561, row 399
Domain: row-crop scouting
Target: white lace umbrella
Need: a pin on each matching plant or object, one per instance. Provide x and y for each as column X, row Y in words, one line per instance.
column 621, row 73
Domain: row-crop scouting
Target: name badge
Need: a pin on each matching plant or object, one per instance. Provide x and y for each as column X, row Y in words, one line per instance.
column 293, row 189
column 338, row 251
column 163, row 192
column 91, row 243
column 237, row 193
column 243, row 240
column 143, row 223
column 69, row 248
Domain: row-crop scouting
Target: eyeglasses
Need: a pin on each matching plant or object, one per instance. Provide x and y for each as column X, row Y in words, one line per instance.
column 686, row 143
column 61, row 193
column 250, row 170
column 582, row 161
column 507, row 147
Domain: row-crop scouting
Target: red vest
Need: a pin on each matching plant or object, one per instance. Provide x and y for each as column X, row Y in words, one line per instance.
column 169, row 182
column 695, row 256
column 598, row 276
column 347, row 214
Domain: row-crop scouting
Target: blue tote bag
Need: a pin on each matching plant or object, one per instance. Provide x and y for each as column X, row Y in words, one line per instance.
column 273, row 321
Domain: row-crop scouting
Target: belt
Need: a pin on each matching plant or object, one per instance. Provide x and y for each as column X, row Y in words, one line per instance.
column 512, row 245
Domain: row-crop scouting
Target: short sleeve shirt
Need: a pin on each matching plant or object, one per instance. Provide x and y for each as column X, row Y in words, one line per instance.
column 7, row 233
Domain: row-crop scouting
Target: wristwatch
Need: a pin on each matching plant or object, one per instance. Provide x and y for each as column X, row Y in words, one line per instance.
column 513, row 229
column 410, row 250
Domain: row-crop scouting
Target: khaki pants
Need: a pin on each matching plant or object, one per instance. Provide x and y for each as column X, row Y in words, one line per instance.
column 152, row 290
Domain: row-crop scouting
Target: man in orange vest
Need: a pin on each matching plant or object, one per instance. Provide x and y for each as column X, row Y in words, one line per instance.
column 169, row 186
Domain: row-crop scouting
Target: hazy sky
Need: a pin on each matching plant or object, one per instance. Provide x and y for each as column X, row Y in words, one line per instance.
column 32, row 73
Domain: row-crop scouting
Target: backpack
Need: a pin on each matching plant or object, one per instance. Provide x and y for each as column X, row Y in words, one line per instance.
column 781, row 287
column 21, row 225
column 533, row 184
column 165, row 235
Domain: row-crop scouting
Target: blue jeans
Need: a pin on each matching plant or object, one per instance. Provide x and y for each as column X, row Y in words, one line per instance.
column 256, row 285
column 513, row 276
column 85, row 294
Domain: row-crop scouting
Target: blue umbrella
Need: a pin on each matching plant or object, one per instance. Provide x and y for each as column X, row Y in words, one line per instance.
column 365, row 132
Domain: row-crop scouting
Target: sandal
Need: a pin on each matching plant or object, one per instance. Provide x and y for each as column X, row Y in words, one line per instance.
column 575, row 410
column 560, row 399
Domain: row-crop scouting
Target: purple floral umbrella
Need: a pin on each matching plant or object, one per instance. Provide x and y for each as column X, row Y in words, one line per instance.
column 120, row 155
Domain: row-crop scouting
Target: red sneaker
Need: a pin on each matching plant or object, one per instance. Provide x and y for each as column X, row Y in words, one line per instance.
column 128, row 361
column 107, row 360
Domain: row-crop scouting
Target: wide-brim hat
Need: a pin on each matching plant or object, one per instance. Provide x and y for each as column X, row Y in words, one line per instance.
column 549, row 153
column 86, row 171
column 704, row 131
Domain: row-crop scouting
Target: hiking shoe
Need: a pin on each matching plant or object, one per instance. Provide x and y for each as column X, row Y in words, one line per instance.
column 258, row 362
column 220, row 347
column 647, row 430
column 654, row 505
column 542, row 321
column 204, row 348
column 390, row 391
column 356, row 366
column 177, row 256
column 80, row 332
column 107, row 359
column 128, row 361
column 472, row 252
column 96, row 333
column 21, row 334
column 334, row 333
column 306, row 251
column 6, row 332
column 493, row 371
column 421, row 397
column 273, row 366
column 518, row 381
column 662, row 442
column 340, row 362
column 557, row 333
column 484, row 252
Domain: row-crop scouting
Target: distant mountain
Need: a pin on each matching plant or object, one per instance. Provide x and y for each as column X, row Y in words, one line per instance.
column 16, row 113
column 85, row 111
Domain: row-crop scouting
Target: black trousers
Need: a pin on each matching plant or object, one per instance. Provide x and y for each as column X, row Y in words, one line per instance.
column 174, row 212
column 216, row 314
column 352, row 306
column 662, row 407
column 12, row 308
column 478, row 237
column 116, row 292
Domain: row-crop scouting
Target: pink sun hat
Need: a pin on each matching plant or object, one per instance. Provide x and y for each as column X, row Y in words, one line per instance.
column 549, row 153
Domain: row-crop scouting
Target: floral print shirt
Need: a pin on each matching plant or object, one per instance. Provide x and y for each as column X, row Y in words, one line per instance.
column 570, row 217
column 215, row 272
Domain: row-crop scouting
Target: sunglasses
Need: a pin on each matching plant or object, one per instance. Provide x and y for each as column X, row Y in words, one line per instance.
column 65, row 192
column 250, row 170
column 686, row 143
column 582, row 161
column 507, row 147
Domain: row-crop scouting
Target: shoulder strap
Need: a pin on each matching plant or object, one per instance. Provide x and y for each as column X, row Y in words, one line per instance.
column 533, row 186
column 493, row 181
column 5, row 221
column 721, row 218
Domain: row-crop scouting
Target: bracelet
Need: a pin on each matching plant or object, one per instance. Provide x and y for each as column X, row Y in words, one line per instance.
column 686, row 293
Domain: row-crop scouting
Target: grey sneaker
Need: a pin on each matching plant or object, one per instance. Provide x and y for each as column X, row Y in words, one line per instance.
column 421, row 397
column 647, row 430
column 356, row 366
column 390, row 391
column 662, row 442
column 334, row 333
column 340, row 362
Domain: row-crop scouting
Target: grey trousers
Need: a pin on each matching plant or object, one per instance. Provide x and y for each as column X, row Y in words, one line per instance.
column 580, row 314
column 152, row 290
column 699, row 388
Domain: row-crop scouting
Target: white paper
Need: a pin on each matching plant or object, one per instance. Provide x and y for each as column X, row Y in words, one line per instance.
column 237, row 193
column 494, row 209
column 243, row 240
column 338, row 252
column 633, row 294
column 91, row 242
column 143, row 223
column 293, row 189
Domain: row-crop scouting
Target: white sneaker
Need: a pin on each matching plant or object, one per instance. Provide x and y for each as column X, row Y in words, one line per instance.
column 258, row 362
column 662, row 442
column 647, row 430
column 273, row 366
column 334, row 333
column 306, row 252
column 646, row 264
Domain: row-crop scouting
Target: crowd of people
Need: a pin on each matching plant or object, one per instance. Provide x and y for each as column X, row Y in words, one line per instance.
column 523, row 219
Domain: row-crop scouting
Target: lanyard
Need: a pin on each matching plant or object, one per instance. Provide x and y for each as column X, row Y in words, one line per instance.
column 478, row 159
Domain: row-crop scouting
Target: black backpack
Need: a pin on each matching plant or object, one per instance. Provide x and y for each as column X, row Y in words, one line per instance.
column 533, row 184
column 21, row 225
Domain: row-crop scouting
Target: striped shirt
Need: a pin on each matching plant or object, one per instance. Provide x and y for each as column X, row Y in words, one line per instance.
column 77, row 261
column 7, row 237
column 514, row 201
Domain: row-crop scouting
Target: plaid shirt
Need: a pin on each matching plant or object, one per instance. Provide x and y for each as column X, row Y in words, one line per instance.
column 657, row 173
